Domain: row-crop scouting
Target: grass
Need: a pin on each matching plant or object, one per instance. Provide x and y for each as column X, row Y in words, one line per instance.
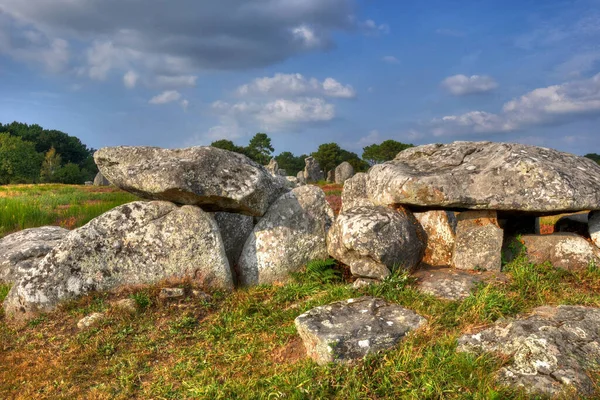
column 70, row 206
column 244, row 345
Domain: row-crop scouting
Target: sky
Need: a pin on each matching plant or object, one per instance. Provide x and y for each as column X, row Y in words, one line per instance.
column 181, row 73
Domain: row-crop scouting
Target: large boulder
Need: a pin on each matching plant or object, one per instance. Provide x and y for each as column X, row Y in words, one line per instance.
column 563, row 250
column 235, row 230
column 312, row 170
column 478, row 243
column 354, row 193
column 292, row 233
column 487, row 176
column 21, row 251
column 343, row 172
column 212, row 178
column 100, row 180
column 136, row 243
column 440, row 227
column 375, row 240
column 551, row 350
column 348, row 330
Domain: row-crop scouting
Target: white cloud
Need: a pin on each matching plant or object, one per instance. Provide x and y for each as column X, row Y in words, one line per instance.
column 175, row 81
column 391, row 60
column 165, row 97
column 307, row 36
column 461, row 85
column 184, row 104
column 130, row 79
column 370, row 27
column 296, row 85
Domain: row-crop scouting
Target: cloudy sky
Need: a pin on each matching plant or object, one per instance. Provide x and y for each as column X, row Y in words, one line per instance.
column 187, row 72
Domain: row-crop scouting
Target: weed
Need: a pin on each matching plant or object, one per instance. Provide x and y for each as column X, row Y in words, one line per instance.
column 4, row 289
column 142, row 299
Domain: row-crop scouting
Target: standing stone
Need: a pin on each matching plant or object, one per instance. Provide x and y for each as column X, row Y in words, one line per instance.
column 354, row 193
column 551, row 351
column 478, row 244
column 235, row 230
column 563, row 250
column 136, row 243
column 331, row 176
column 212, row 178
column 312, row 171
column 281, row 172
column 273, row 167
column 292, row 233
column 375, row 240
column 21, row 251
column 301, row 178
column 100, row 180
column 349, row 330
column 440, row 227
column 594, row 227
column 343, row 172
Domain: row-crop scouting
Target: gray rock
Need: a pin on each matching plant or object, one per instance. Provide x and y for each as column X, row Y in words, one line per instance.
column 478, row 244
column 171, row 293
column 563, row 250
column 594, row 227
column 100, row 180
column 551, row 349
column 440, row 227
column 136, row 243
column 301, row 179
column 343, row 172
column 487, row 176
column 273, row 167
column 354, row 193
column 90, row 320
column 212, row 178
column 331, row 176
column 348, row 330
column 23, row 250
column 292, row 233
column 235, row 230
column 88, row 183
column 312, row 171
column 293, row 181
column 446, row 283
column 128, row 305
column 373, row 241
column 281, row 172
column 364, row 282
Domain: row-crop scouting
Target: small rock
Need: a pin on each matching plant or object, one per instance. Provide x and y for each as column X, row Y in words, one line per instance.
column 446, row 283
column 343, row 172
column 201, row 295
column 364, row 282
column 348, row 330
column 478, row 244
column 128, row 305
column 90, row 320
column 171, row 293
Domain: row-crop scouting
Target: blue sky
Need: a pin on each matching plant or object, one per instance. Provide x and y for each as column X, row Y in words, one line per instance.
column 187, row 72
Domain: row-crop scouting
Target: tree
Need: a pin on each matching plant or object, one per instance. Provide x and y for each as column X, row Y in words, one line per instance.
column 50, row 165
column 386, row 151
column 330, row 155
column 290, row 163
column 69, row 174
column 260, row 149
column 593, row 156
column 19, row 162
column 227, row 145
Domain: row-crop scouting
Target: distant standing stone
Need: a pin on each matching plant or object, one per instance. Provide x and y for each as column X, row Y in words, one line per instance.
column 312, row 171
column 301, row 179
column 343, row 172
column 348, row 330
column 478, row 242
column 354, row 193
column 100, row 180
column 331, row 176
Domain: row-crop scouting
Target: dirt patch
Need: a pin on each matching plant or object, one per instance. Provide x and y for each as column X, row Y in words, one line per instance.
column 335, row 202
column 292, row 352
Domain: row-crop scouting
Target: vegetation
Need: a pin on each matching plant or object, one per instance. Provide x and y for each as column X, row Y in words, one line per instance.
column 386, row 151
column 32, row 154
column 259, row 149
column 593, row 156
column 330, row 155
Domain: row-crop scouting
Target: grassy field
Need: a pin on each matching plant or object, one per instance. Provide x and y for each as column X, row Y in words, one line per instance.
column 70, row 206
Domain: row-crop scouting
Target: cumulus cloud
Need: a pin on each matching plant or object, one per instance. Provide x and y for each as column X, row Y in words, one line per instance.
column 391, row 60
column 296, row 85
column 165, row 97
column 130, row 79
column 461, row 85
column 556, row 104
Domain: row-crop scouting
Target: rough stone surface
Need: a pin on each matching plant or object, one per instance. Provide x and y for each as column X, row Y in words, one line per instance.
column 343, row 172
column 364, row 282
column 440, row 227
column 235, row 230
column 331, row 176
column 490, row 176
column 374, row 240
column 23, row 250
column 312, row 171
column 594, row 227
column 100, row 180
column 293, row 181
column 348, row 330
column 551, row 349
column 446, row 283
column 292, row 233
column 563, row 250
column 354, row 193
column 136, row 243
column 171, row 293
column 273, row 167
column 90, row 320
column 214, row 179
column 478, row 244
column 128, row 305
column 301, row 179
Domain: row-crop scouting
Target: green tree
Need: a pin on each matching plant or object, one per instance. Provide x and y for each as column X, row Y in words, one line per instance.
column 330, row 155
column 69, row 174
column 227, row 145
column 593, row 156
column 19, row 162
column 386, row 151
column 290, row 163
column 260, row 149
column 50, row 165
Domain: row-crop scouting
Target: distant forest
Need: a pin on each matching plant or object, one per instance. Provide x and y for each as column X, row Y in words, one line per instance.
column 32, row 154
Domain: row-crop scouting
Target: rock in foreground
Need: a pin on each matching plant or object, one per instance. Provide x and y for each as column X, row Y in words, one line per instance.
column 487, row 176
column 137, row 243
column 214, row 179
column 551, row 349
column 21, row 251
column 351, row 329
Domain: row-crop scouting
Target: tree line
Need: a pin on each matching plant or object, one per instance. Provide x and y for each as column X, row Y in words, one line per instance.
column 32, row 154
column 329, row 155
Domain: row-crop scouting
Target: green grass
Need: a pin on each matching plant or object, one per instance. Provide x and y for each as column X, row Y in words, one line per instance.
column 244, row 345
column 71, row 206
